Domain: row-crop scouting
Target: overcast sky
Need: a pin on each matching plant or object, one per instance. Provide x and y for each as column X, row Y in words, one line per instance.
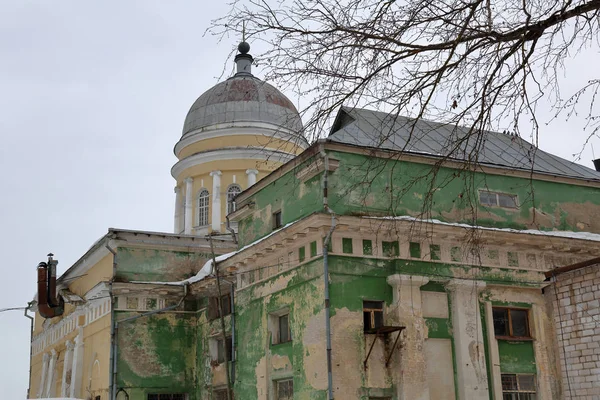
column 92, row 100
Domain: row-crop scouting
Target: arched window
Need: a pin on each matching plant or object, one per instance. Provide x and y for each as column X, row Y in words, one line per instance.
column 203, row 199
column 232, row 191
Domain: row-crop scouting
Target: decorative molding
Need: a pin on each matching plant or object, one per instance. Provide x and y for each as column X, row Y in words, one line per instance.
column 226, row 154
column 315, row 168
column 240, row 128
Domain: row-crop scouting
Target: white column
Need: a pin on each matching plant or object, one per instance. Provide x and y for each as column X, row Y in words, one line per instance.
column 67, row 368
column 216, row 201
column 412, row 381
column 468, row 339
column 177, row 216
column 50, row 378
column 45, row 361
column 189, row 205
column 252, row 173
column 77, row 365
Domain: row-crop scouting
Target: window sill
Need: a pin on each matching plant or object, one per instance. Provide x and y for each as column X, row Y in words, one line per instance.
column 280, row 343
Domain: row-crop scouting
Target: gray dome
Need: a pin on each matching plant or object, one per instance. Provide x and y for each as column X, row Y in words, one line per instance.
column 242, row 98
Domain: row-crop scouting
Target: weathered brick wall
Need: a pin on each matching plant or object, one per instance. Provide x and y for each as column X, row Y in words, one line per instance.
column 576, row 301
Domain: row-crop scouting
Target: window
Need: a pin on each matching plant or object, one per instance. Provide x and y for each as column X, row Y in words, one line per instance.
column 367, row 247
column 347, row 245
column 284, row 329
column 277, row 220
column 220, row 394
column 372, row 315
column 511, row 322
column 390, row 249
column 167, row 396
column 203, row 199
column 494, row 199
column 284, row 389
column 232, row 191
column 518, row 387
column 213, row 306
column 221, row 356
column 279, row 326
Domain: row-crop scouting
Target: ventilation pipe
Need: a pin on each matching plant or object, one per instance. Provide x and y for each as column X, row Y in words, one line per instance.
column 596, row 164
column 49, row 305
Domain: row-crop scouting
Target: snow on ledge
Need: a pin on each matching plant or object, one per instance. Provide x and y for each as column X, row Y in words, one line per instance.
column 564, row 234
column 206, row 270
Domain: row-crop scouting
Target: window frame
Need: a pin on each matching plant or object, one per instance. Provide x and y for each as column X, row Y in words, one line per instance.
column 510, row 335
column 213, row 306
column 231, row 194
column 288, row 330
column 372, row 312
column 226, row 342
column 496, row 194
column 519, row 391
column 203, row 210
column 280, row 381
column 274, row 326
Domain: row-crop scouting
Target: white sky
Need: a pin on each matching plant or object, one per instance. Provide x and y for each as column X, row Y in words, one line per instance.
column 92, row 100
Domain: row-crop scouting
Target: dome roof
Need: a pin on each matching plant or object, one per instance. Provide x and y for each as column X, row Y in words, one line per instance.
column 242, row 99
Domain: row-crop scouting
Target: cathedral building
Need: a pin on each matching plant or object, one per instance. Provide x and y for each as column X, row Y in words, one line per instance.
column 379, row 263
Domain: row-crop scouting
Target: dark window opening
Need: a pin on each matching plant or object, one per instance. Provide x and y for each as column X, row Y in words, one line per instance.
column 511, row 323
column 213, row 306
column 221, row 343
column 518, row 387
column 372, row 315
column 284, row 329
column 284, row 389
column 277, row 220
column 220, row 394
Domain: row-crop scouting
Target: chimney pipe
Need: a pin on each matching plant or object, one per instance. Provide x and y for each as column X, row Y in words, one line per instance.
column 597, row 164
column 48, row 305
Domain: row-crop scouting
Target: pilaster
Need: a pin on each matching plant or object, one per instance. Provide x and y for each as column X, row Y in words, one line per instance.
column 67, row 368
column 77, row 365
column 216, row 201
column 189, row 205
column 45, row 361
column 50, row 380
column 412, row 380
column 468, row 339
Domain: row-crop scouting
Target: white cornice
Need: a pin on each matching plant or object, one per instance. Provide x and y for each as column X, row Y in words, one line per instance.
column 240, row 128
column 246, row 153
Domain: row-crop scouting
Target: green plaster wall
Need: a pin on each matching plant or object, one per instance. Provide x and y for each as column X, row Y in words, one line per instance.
column 157, row 354
column 366, row 185
column 157, row 265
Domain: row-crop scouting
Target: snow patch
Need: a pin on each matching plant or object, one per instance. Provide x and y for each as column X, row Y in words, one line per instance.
column 563, row 234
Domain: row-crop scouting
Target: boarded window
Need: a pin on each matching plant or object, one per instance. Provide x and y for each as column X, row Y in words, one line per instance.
column 511, row 322
column 372, row 315
column 284, row 389
column 518, row 387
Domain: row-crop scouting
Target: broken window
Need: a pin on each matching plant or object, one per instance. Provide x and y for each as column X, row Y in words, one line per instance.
column 511, row 322
column 518, row 387
column 494, row 199
column 284, row 389
column 213, row 306
column 221, row 356
column 167, row 396
column 372, row 315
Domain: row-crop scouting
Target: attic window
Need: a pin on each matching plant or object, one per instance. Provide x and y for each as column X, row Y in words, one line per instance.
column 495, row 199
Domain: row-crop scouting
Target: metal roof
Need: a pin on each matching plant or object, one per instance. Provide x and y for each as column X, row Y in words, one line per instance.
column 375, row 129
